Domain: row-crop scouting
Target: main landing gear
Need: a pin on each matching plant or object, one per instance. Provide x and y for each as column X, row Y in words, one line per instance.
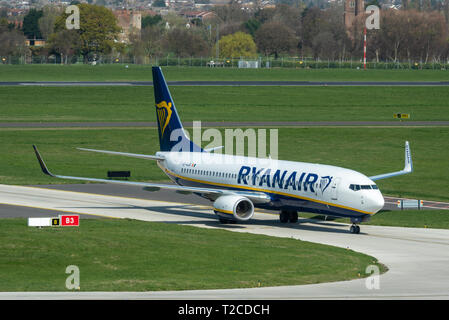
column 354, row 229
column 288, row 216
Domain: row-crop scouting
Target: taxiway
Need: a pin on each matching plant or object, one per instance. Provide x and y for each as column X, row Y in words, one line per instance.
column 417, row 258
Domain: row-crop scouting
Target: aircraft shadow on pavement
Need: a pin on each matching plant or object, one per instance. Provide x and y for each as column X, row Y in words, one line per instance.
column 305, row 225
column 302, row 224
column 211, row 220
column 160, row 209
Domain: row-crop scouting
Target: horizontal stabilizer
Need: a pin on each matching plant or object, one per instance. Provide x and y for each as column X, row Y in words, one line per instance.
column 213, row 149
column 125, row 154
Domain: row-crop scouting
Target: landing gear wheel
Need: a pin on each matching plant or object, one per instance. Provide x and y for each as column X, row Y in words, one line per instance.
column 293, row 216
column 355, row 229
column 284, row 216
column 224, row 221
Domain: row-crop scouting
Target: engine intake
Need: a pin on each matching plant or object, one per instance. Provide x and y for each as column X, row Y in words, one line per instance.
column 234, row 207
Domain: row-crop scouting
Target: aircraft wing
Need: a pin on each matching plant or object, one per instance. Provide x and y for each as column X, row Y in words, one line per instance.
column 408, row 168
column 258, row 197
column 133, row 155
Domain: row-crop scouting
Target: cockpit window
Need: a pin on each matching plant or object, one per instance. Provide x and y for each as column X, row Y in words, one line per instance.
column 357, row 187
column 375, row 187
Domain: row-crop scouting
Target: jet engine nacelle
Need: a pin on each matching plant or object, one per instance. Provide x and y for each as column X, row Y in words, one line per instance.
column 234, row 207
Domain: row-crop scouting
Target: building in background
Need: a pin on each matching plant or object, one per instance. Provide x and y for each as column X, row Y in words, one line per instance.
column 201, row 16
column 35, row 43
column 129, row 21
column 353, row 8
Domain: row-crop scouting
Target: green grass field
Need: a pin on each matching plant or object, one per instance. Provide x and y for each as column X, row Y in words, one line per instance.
column 143, row 73
column 436, row 219
column 368, row 150
column 129, row 255
column 19, row 104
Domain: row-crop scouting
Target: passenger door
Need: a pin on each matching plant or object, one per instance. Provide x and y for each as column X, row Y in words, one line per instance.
column 334, row 188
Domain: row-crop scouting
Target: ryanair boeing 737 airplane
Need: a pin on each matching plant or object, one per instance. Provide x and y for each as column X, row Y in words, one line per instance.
column 238, row 184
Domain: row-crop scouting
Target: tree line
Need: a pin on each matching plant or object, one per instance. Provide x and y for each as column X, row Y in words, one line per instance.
column 288, row 29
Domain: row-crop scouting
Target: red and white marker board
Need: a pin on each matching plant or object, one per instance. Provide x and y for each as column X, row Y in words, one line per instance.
column 69, row 220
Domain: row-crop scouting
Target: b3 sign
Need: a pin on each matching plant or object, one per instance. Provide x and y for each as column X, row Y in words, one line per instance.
column 69, row 220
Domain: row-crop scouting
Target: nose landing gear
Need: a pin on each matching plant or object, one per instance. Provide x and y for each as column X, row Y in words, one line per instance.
column 355, row 229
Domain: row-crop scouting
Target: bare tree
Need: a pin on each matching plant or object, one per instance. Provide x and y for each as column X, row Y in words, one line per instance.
column 151, row 38
column 275, row 38
column 12, row 43
column 404, row 35
column 66, row 43
column 324, row 46
column 185, row 43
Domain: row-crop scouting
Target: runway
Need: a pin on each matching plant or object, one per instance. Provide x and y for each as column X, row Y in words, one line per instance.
column 417, row 258
column 226, row 83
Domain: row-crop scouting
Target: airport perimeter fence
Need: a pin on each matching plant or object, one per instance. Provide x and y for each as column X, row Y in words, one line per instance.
column 261, row 62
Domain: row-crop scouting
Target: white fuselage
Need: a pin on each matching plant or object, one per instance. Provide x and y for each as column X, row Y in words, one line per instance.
column 312, row 187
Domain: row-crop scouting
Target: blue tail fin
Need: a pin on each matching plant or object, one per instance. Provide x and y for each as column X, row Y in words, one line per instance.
column 171, row 133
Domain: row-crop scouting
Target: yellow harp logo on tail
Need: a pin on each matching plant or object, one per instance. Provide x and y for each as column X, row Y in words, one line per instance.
column 163, row 114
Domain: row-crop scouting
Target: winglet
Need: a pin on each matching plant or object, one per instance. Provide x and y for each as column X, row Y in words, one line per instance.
column 408, row 158
column 408, row 166
column 41, row 162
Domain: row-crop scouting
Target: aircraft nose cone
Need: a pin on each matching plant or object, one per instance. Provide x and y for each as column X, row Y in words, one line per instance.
column 378, row 203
